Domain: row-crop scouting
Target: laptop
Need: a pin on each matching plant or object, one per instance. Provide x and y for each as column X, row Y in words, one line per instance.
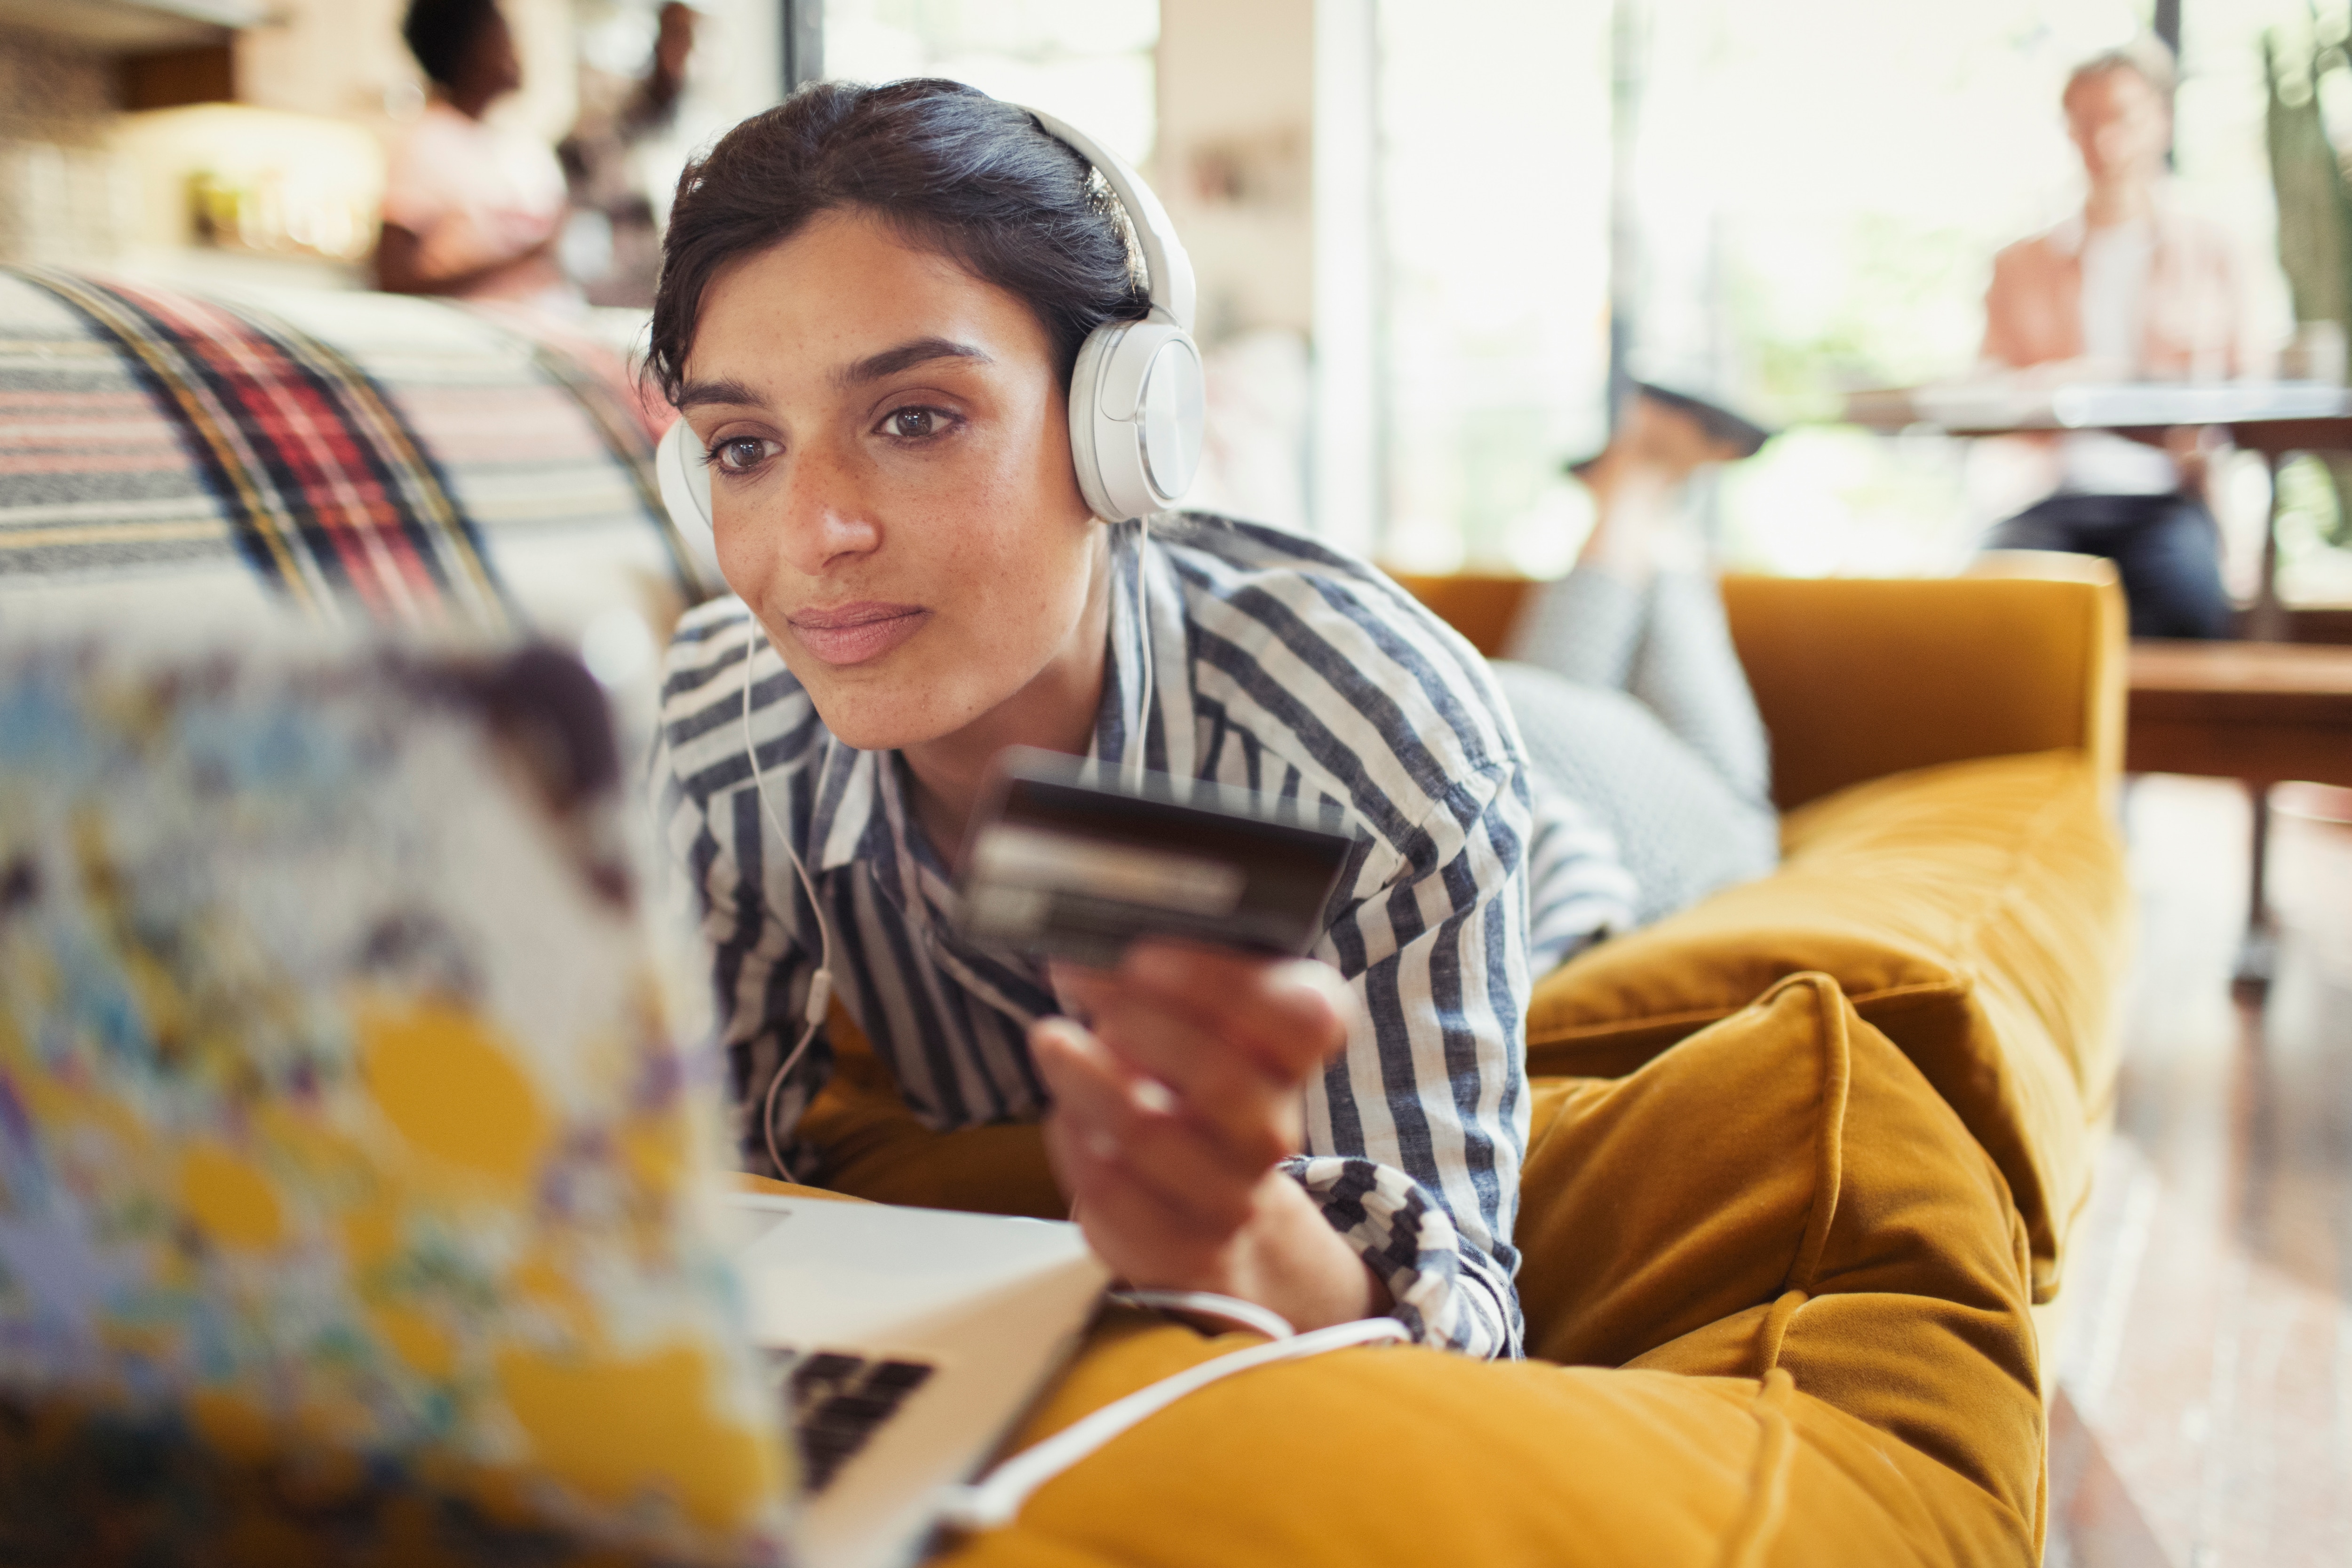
column 353, row 1179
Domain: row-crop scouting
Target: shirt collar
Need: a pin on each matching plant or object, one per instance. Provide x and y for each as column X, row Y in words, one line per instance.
column 847, row 812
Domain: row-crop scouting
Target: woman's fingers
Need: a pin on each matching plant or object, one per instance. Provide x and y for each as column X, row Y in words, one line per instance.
column 1231, row 1038
column 1145, row 1244
column 1254, row 1116
column 1179, row 1094
column 1290, row 1015
column 1108, row 1119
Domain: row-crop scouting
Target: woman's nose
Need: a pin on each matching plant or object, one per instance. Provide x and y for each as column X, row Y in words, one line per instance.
column 824, row 512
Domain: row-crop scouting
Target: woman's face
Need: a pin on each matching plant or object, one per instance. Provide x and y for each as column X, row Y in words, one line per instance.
column 890, row 481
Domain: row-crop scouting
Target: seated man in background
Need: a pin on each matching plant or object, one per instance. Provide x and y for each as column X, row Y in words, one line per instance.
column 469, row 209
column 2129, row 289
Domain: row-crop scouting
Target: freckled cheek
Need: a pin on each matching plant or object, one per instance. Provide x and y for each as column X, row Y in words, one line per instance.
column 1007, row 561
column 748, row 547
column 740, row 559
column 1005, row 590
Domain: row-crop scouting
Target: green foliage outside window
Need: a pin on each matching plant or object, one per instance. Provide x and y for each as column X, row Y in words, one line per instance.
column 2315, row 248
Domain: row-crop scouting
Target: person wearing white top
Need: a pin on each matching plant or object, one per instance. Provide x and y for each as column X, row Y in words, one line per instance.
column 470, row 209
column 2128, row 289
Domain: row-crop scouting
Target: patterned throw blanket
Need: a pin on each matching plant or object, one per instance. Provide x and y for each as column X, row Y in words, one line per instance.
column 402, row 462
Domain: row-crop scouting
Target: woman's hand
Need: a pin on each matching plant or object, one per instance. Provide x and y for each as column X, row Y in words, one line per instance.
column 1173, row 1104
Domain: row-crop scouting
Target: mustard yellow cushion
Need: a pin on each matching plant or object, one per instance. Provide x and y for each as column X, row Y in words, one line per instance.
column 1976, row 912
column 1815, row 1271
column 873, row 1147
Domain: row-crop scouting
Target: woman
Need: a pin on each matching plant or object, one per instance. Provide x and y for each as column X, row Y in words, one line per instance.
column 470, row 210
column 871, row 303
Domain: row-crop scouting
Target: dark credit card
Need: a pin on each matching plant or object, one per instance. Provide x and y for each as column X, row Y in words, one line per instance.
column 1067, row 864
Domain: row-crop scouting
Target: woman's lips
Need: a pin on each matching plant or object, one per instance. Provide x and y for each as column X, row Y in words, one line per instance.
column 853, row 634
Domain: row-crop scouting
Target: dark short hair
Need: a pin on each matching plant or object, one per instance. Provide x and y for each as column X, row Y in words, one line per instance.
column 442, row 33
column 951, row 169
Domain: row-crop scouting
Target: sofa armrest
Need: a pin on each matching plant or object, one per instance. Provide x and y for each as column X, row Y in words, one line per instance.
column 1858, row 677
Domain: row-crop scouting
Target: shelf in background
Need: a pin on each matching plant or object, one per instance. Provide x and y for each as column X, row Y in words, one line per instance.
column 134, row 27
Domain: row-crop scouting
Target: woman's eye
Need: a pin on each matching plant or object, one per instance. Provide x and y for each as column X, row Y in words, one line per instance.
column 738, row 454
column 913, row 424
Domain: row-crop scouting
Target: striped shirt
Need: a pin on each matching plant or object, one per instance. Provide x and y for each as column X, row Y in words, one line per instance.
column 1281, row 667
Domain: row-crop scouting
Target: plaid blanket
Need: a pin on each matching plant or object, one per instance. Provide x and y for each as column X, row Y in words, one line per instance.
column 399, row 462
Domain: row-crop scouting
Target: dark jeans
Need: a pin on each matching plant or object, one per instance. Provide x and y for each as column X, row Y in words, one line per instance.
column 2166, row 549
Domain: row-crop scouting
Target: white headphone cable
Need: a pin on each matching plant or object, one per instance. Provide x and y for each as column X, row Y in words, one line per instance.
column 820, row 994
column 1230, row 1311
column 994, row 1500
column 1142, row 738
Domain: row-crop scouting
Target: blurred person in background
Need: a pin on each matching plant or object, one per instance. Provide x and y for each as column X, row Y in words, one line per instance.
column 608, row 184
column 470, row 209
column 2131, row 289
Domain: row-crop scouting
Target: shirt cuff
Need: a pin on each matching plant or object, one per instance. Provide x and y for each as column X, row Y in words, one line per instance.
column 1445, row 1292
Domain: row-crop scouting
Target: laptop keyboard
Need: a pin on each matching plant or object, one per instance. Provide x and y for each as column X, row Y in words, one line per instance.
column 836, row 1401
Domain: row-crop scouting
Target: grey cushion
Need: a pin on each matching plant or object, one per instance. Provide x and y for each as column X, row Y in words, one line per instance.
column 1681, row 829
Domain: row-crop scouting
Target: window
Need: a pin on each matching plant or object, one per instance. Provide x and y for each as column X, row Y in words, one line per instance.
column 1493, row 202
column 1088, row 61
column 1820, row 186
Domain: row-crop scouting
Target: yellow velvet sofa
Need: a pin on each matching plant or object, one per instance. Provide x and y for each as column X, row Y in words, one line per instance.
column 1804, row 1162
column 1804, row 1158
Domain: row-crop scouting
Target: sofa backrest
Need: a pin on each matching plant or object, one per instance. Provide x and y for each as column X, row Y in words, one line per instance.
column 1859, row 678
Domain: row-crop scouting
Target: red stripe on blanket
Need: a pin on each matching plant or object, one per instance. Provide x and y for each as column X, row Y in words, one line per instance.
column 305, row 445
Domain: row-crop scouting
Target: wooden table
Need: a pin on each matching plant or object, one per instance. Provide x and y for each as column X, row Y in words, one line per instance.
column 2262, row 712
column 2278, row 419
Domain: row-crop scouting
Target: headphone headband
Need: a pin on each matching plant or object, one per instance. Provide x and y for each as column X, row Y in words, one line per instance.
column 1168, row 270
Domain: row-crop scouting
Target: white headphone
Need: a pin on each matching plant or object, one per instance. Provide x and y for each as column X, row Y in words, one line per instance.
column 1136, row 396
column 1137, row 407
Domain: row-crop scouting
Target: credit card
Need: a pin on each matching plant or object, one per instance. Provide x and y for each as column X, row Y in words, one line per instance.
column 1067, row 864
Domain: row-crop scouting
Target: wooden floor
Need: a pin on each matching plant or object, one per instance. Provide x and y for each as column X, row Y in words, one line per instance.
column 2204, row 1411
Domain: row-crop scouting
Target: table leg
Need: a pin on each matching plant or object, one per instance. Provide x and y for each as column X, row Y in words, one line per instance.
column 2257, row 949
column 2266, row 622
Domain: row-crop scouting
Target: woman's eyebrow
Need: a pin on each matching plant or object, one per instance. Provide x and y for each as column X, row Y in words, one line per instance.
column 906, row 356
column 696, row 392
column 873, row 368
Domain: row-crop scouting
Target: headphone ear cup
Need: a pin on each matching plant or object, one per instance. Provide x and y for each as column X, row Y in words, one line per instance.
column 684, row 474
column 1171, row 423
column 1086, row 384
column 1137, row 411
